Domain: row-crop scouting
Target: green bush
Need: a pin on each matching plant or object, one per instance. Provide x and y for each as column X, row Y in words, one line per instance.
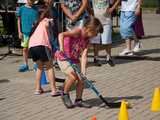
column 150, row 3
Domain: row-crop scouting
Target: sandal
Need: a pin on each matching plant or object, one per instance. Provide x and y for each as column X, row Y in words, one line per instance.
column 57, row 93
column 39, row 92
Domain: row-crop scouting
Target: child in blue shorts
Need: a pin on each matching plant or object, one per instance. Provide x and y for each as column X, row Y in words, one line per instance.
column 27, row 16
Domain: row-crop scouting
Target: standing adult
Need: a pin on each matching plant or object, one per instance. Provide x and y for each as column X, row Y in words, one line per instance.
column 75, row 12
column 129, row 11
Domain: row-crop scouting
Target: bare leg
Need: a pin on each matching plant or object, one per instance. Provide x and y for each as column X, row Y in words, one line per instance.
column 79, row 89
column 51, row 75
column 95, row 51
column 38, row 75
column 109, row 59
column 66, row 97
column 128, row 50
column 108, row 49
column 96, row 61
column 69, row 82
column 128, row 44
column 25, row 55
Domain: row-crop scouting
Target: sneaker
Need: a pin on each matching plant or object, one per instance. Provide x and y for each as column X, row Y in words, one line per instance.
column 81, row 103
column 23, row 68
column 97, row 62
column 137, row 47
column 67, row 101
column 126, row 52
column 35, row 66
column 110, row 62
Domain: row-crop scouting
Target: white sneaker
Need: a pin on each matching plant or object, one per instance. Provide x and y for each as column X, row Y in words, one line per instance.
column 137, row 47
column 126, row 52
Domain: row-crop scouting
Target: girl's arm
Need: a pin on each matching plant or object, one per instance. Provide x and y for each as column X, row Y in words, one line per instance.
column 19, row 28
column 84, row 60
column 73, row 33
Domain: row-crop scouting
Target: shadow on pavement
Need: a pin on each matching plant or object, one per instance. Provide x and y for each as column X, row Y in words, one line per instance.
column 141, row 55
column 2, row 99
column 4, row 81
column 73, row 87
column 136, row 58
column 115, row 100
column 116, row 60
column 151, row 36
column 149, row 51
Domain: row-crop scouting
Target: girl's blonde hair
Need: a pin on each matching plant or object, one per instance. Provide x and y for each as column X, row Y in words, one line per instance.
column 94, row 23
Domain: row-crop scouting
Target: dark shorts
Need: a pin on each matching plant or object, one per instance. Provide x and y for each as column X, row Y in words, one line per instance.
column 41, row 53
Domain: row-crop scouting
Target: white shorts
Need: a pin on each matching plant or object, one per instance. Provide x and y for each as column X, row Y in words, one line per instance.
column 105, row 37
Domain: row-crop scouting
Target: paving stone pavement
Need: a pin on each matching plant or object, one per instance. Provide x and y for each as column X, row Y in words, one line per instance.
column 133, row 80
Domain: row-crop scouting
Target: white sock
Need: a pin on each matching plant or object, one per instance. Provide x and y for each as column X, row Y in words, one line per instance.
column 108, row 57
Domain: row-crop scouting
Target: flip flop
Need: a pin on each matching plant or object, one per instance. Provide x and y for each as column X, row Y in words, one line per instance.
column 57, row 93
column 38, row 92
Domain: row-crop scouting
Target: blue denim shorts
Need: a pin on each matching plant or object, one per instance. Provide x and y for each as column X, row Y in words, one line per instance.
column 127, row 20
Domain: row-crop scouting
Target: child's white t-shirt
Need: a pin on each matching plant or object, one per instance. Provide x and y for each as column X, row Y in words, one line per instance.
column 99, row 7
column 129, row 5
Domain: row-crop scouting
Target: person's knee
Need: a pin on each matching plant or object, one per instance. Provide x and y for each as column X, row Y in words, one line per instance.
column 25, row 49
column 73, row 76
column 39, row 65
column 49, row 66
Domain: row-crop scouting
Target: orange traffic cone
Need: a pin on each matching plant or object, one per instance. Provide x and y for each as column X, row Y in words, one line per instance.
column 94, row 118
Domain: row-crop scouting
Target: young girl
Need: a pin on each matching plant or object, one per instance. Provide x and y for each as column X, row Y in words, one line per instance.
column 72, row 44
column 41, row 51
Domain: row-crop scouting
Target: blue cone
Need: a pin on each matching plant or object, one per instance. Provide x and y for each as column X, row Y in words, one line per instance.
column 43, row 79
